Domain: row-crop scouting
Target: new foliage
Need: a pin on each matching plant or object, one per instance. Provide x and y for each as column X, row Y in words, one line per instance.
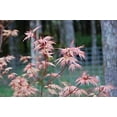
column 37, row 75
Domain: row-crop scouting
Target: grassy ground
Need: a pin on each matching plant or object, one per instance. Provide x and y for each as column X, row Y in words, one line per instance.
column 5, row 90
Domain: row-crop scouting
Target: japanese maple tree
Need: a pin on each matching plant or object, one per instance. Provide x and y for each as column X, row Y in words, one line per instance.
column 38, row 75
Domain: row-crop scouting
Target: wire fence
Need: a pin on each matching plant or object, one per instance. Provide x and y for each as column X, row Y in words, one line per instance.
column 93, row 64
column 93, row 68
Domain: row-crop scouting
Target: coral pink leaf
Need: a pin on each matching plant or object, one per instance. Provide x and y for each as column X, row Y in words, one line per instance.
column 35, row 29
column 86, row 79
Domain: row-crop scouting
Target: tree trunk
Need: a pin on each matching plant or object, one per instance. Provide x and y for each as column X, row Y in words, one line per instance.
column 84, row 30
column 61, row 33
column 69, row 32
column 50, row 23
column 109, row 39
column 34, row 54
column 79, row 27
column 94, row 41
column 1, row 38
column 13, row 46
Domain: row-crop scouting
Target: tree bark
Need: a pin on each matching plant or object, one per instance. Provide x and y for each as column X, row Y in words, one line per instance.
column 61, row 33
column 34, row 54
column 69, row 32
column 1, row 38
column 109, row 40
column 94, row 41
column 13, row 46
column 79, row 27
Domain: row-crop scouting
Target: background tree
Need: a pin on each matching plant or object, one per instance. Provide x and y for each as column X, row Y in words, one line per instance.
column 13, row 45
column 69, row 32
column 61, row 32
column 94, row 42
column 1, row 37
column 109, row 39
column 34, row 24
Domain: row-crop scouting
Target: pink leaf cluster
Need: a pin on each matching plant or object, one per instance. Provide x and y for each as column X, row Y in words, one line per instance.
column 69, row 57
column 21, row 87
column 104, row 90
column 30, row 70
column 30, row 34
column 86, row 79
column 12, row 75
column 3, row 65
column 43, row 64
column 44, row 46
column 53, row 89
column 25, row 59
column 54, row 75
column 72, row 90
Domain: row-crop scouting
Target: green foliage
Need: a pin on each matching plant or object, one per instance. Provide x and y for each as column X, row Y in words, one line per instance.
column 86, row 40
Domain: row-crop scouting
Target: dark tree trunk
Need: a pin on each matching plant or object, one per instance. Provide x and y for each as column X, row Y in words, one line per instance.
column 84, row 32
column 79, row 27
column 109, row 39
column 50, row 26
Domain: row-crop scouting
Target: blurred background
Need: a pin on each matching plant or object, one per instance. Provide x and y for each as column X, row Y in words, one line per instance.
column 82, row 32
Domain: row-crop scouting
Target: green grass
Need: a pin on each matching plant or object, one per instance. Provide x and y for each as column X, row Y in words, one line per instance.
column 5, row 91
